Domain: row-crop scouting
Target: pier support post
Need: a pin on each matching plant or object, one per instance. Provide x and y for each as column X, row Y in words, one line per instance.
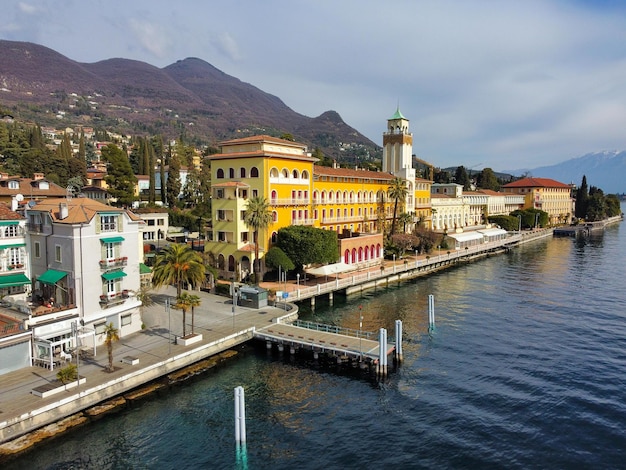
column 240, row 416
column 281, row 347
column 268, row 345
column 399, row 341
column 292, row 350
column 431, row 312
column 382, row 352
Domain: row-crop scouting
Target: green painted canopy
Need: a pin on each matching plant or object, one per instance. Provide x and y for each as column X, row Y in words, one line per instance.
column 51, row 276
column 112, row 240
column 112, row 275
column 143, row 269
column 10, row 280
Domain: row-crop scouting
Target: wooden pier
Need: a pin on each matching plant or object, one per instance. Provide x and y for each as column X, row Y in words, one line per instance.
column 322, row 340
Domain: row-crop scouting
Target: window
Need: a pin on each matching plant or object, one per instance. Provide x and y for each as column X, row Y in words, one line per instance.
column 57, row 253
column 244, row 193
column 109, row 250
column 126, row 320
column 275, row 216
column 219, row 194
column 11, row 231
column 37, row 248
column 220, row 173
column 14, row 185
column 255, row 193
column 254, row 172
column 231, row 173
column 242, row 215
column 242, row 172
column 15, row 256
column 150, row 222
column 244, row 237
column 221, row 236
column 161, row 222
column 108, row 223
column 100, row 327
column 110, row 286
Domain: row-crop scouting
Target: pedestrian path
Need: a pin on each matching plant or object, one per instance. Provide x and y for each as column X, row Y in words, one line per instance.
column 215, row 319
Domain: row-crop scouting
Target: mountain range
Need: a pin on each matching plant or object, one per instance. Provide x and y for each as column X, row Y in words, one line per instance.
column 193, row 98
column 605, row 170
column 189, row 97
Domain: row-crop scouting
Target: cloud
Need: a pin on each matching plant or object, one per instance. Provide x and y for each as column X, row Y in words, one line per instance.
column 27, row 8
column 150, row 36
column 227, row 46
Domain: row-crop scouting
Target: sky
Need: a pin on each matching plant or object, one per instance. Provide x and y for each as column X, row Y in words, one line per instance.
column 505, row 84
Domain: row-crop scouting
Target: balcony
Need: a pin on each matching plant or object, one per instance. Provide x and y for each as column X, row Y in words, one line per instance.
column 290, row 202
column 114, row 298
column 113, row 262
column 302, row 221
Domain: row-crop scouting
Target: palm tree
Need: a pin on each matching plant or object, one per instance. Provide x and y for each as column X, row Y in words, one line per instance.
column 257, row 217
column 111, row 336
column 397, row 191
column 405, row 219
column 177, row 264
column 194, row 301
column 183, row 302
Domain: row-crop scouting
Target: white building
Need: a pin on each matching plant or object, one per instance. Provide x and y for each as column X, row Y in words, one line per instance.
column 86, row 269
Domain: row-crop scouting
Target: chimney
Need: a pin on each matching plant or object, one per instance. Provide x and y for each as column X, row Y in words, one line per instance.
column 63, row 210
column 38, row 176
column 4, row 176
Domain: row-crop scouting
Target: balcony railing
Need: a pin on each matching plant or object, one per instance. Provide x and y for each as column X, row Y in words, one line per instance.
column 116, row 298
column 113, row 262
column 302, row 221
column 292, row 201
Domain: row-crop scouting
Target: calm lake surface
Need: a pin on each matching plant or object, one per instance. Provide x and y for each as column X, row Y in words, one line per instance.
column 526, row 368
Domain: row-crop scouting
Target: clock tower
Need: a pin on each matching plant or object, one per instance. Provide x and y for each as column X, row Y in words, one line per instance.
column 398, row 154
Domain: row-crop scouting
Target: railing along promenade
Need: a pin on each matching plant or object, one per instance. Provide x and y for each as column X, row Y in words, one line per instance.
column 407, row 268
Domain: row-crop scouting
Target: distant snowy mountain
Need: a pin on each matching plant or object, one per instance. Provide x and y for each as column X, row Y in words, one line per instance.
column 605, row 170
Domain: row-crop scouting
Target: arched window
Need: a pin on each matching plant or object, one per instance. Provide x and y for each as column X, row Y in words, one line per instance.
column 285, row 173
column 220, row 173
column 231, row 172
column 295, row 174
column 305, row 175
column 274, row 237
column 360, row 254
column 275, row 216
column 273, row 172
column 231, row 263
column 346, row 256
column 353, row 255
column 316, row 196
column 254, row 172
column 323, row 196
column 221, row 263
column 242, row 172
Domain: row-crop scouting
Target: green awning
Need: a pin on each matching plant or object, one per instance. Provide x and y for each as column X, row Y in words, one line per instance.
column 143, row 269
column 51, row 276
column 110, row 276
column 112, row 240
column 9, row 222
column 14, row 245
column 11, row 280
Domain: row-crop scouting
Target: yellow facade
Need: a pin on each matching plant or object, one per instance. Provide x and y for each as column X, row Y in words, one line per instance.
column 545, row 194
column 299, row 193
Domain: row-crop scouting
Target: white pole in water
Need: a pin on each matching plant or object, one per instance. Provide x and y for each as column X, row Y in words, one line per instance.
column 240, row 415
column 382, row 351
column 431, row 311
column 399, row 340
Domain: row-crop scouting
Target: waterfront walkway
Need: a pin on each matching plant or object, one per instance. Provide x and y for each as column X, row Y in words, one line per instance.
column 154, row 347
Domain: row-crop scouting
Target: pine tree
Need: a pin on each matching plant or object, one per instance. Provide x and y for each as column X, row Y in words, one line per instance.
column 173, row 184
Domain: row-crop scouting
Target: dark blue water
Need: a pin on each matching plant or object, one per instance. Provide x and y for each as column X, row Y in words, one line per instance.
column 526, row 368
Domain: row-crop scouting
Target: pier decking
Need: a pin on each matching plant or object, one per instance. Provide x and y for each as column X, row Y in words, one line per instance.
column 319, row 340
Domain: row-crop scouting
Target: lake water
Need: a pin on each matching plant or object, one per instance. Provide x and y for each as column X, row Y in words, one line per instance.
column 526, row 368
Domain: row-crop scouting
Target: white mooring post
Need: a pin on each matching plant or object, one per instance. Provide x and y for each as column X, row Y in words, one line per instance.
column 382, row 352
column 240, row 415
column 431, row 312
column 399, row 340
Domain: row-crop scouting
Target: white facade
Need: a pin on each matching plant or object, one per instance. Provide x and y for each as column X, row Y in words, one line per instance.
column 85, row 267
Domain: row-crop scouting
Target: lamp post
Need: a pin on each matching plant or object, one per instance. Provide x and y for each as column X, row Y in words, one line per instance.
column 298, row 279
column 536, row 219
column 394, row 262
column 416, row 258
column 519, row 226
column 360, row 333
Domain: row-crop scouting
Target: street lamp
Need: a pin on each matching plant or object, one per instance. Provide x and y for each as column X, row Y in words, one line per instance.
column 536, row 219
column 519, row 226
column 394, row 262
column 298, row 279
column 416, row 258
column 360, row 333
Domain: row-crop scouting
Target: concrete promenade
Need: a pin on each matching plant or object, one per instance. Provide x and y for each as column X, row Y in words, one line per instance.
column 156, row 351
column 22, row 412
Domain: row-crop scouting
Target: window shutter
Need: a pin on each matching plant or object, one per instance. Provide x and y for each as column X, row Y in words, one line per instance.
column 120, row 227
column 98, row 221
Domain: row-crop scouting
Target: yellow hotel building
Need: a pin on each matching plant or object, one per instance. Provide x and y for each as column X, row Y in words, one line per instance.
column 352, row 202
